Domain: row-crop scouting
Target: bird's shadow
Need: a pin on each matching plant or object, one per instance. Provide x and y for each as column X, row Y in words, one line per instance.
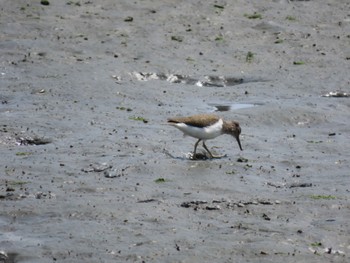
column 203, row 157
column 198, row 157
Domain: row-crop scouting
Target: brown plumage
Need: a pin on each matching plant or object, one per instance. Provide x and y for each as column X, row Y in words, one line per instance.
column 205, row 127
column 200, row 120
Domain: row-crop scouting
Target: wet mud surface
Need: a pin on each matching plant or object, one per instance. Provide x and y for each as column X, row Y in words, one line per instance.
column 91, row 172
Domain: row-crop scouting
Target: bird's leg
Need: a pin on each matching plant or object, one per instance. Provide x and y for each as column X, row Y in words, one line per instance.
column 210, row 154
column 195, row 149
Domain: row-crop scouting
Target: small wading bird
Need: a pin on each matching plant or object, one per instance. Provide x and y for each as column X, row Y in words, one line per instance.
column 205, row 127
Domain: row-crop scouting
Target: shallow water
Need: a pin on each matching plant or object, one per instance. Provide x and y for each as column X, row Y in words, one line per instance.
column 233, row 106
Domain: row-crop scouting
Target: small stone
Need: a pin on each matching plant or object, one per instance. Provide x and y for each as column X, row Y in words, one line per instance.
column 44, row 2
column 266, row 217
column 129, row 19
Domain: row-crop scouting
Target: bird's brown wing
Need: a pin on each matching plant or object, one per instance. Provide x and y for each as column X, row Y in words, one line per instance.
column 200, row 120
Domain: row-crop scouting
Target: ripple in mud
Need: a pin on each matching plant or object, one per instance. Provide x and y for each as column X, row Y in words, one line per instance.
column 11, row 196
column 32, row 141
column 206, row 81
column 223, row 204
column 10, row 137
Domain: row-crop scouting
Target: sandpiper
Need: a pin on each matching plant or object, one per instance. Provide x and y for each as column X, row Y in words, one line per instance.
column 205, row 127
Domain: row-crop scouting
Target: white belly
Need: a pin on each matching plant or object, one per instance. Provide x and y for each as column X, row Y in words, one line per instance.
column 206, row 133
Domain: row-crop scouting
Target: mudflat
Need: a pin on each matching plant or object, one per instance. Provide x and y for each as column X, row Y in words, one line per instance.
column 91, row 172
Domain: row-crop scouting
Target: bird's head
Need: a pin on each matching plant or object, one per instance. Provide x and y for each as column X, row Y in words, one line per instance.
column 233, row 128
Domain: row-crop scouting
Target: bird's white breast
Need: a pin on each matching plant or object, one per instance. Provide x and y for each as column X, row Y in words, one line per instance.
column 206, row 133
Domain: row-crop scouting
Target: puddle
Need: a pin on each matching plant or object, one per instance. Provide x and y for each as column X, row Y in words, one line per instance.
column 234, row 106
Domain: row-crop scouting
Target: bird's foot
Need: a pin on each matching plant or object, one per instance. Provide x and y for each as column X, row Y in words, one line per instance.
column 210, row 154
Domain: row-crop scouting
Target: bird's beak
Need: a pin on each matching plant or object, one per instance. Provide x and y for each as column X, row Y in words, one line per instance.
column 239, row 143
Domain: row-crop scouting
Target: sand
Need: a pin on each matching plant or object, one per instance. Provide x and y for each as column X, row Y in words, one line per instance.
column 91, row 172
